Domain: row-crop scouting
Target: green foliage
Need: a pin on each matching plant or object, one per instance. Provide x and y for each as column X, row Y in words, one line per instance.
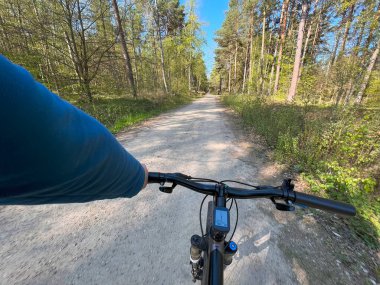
column 336, row 150
column 373, row 90
column 73, row 46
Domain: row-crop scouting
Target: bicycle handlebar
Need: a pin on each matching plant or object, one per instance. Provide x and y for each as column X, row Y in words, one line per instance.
column 279, row 192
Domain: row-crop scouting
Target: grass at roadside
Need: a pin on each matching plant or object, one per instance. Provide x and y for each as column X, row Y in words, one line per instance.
column 119, row 113
column 337, row 151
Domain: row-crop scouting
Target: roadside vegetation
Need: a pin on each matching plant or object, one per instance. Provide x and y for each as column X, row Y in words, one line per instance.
column 305, row 76
column 337, row 151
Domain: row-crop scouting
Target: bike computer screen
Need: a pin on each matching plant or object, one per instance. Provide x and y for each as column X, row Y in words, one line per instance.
column 221, row 219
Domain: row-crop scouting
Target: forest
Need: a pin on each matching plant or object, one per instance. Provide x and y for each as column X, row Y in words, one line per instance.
column 304, row 75
column 121, row 61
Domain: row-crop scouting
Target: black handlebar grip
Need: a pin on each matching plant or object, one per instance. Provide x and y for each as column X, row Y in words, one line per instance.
column 155, row 177
column 325, row 204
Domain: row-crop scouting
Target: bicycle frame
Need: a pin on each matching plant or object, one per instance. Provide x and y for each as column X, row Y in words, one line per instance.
column 214, row 259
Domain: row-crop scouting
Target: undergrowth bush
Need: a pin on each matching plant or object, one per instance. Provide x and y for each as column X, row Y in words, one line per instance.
column 337, row 151
column 118, row 113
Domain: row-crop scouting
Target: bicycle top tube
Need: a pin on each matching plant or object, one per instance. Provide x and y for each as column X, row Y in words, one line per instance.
column 283, row 192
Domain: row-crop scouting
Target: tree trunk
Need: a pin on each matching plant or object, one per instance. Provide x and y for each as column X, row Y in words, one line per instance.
column 73, row 58
column 316, row 32
column 250, row 54
column 351, row 85
column 142, row 78
column 282, row 41
column 347, row 29
column 162, row 57
column 335, row 50
column 220, row 85
column 371, row 64
column 104, row 30
column 305, row 50
column 52, row 69
column 275, row 54
column 189, row 74
column 372, row 29
column 132, row 20
column 269, row 49
column 297, row 60
column 245, row 66
column 272, row 69
column 292, row 19
column 349, row 92
column 262, row 53
column 75, row 55
column 235, row 64
column 359, row 41
column 127, row 59
column 369, row 38
column 84, row 57
column 229, row 74
column 155, row 69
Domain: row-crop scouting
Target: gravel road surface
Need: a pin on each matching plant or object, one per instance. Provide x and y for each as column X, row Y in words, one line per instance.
column 145, row 240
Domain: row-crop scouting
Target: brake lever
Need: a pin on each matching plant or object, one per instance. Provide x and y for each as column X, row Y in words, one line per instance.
column 287, row 188
column 168, row 189
column 288, row 207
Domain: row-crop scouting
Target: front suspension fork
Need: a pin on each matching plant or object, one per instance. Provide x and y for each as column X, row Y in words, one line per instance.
column 199, row 244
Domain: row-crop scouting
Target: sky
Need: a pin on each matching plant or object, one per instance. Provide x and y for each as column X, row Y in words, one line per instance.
column 211, row 14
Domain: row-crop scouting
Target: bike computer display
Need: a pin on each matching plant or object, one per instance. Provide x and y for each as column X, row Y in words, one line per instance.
column 221, row 219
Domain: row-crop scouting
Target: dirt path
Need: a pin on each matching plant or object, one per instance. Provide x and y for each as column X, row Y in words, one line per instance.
column 145, row 240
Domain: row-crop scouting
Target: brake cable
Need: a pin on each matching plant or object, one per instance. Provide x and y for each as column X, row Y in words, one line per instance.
column 200, row 214
column 236, row 222
column 242, row 183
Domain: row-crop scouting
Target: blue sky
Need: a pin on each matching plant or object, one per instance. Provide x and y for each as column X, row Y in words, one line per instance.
column 211, row 14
